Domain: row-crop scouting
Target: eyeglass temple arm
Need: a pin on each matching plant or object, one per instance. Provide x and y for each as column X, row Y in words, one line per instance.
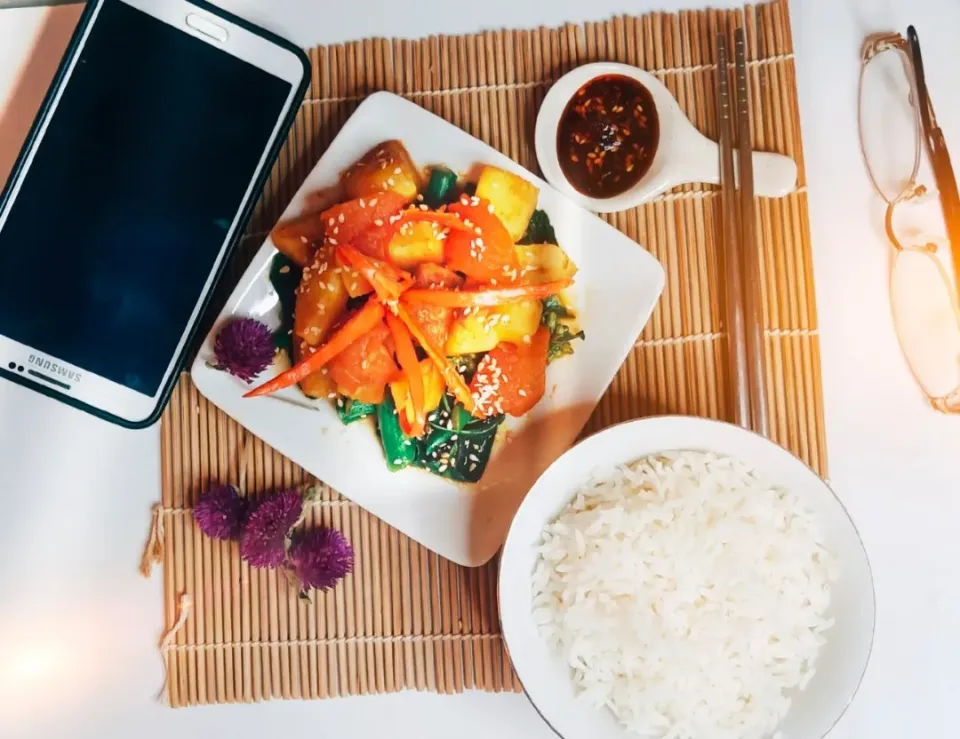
column 937, row 150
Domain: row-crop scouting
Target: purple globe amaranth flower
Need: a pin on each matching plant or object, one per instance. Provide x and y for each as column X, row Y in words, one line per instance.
column 262, row 541
column 244, row 347
column 321, row 557
column 221, row 512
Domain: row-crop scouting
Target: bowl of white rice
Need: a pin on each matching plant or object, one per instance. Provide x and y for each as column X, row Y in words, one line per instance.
column 681, row 578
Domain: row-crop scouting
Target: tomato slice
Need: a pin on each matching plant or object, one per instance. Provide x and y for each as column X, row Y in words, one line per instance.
column 366, row 363
column 512, row 378
column 486, row 253
column 349, row 222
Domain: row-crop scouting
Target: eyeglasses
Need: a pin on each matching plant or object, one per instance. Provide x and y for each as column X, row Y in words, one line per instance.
column 895, row 116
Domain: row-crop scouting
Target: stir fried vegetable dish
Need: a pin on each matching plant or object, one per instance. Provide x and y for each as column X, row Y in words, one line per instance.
column 430, row 305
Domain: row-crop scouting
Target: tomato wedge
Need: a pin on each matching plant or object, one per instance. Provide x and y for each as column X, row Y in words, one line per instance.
column 486, row 251
column 435, row 320
column 512, row 378
column 346, row 222
column 364, row 368
column 356, row 326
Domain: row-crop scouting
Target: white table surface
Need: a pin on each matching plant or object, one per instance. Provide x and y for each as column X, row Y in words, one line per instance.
column 78, row 626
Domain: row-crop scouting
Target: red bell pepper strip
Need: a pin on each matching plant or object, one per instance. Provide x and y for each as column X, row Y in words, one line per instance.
column 356, row 326
column 407, row 356
column 486, row 297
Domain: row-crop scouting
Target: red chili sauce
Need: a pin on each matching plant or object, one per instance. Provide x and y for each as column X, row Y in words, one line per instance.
column 608, row 135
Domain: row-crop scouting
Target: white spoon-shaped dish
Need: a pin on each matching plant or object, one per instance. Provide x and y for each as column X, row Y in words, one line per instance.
column 683, row 155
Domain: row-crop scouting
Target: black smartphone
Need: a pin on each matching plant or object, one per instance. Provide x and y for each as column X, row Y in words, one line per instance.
column 135, row 182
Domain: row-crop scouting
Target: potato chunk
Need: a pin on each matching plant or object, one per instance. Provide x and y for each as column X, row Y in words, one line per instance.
column 321, row 299
column 513, row 198
column 482, row 329
column 386, row 167
column 544, row 263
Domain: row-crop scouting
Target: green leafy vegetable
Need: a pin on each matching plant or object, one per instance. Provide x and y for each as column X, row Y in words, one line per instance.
column 441, row 189
column 561, row 336
column 560, row 339
column 458, row 446
column 539, row 230
column 285, row 278
column 399, row 450
column 466, row 364
column 351, row 410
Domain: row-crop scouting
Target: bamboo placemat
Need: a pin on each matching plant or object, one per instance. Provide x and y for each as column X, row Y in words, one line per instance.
column 407, row 618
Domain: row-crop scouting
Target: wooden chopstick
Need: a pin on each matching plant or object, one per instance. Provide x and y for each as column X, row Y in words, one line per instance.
column 749, row 251
column 739, row 385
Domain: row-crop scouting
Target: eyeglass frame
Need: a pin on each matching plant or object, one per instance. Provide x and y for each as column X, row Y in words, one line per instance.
column 941, row 165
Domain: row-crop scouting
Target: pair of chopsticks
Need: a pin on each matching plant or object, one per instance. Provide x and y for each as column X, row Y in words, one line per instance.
column 741, row 255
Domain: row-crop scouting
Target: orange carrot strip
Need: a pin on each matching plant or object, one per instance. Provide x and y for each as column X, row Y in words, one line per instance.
column 355, row 327
column 388, row 281
column 454, row 379
column 444, row 220
column 407, row 354
column 486, row 297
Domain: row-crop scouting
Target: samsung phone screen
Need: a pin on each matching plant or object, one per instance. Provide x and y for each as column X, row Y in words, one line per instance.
column 127, row 202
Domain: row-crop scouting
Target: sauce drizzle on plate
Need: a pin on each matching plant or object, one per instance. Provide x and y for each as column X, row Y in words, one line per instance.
column 608, row 136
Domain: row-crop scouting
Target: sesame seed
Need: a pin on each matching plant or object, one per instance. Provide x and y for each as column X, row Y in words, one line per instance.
column 443, row 468
column 331, row 396
column 493, row 281
column 424, row 207
column 474, row 200
column 490, row 208
column 419, row 198
column 363, row 203
column 373, row 202
column 304, row 240
column 390, row 181
column 527, row 339
column 341, row 218
column 397, row 461
column 473, row 466
column 332, row 241
column 397, row 170
column 331, row 221
column 478, row 230
column 378, row 222
column 284, row 269
column 336, row 229
column 522, row 393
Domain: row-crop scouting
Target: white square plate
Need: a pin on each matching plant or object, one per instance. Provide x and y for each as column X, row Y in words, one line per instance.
column 616, row 289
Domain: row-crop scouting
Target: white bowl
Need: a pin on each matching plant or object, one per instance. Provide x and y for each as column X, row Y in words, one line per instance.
column 683, row 156
column 544, row 674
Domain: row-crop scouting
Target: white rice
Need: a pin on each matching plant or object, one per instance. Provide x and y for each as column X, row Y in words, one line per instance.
column 688, row 596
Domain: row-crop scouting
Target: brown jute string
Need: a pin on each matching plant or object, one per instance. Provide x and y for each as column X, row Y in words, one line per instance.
column 184, row 604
